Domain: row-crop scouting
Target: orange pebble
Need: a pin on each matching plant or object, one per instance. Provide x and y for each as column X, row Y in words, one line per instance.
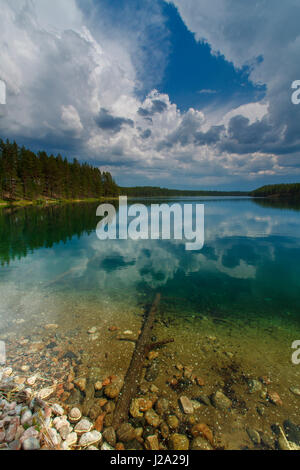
column 99, row 422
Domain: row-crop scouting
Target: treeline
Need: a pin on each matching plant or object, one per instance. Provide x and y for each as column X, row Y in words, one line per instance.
column 291, row 191
column 23, row 230
column 27, row 175
column 153, row 191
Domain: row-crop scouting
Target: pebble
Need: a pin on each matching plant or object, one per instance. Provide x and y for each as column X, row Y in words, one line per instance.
column 26, row 417
column 83, row 426
column 275, row 398
column 152, row 418
column 71, row 439
column 65, row 430
column 202, row 430
column 161, row 406
column 292, row 431
column 113, row 390
column 92, row 331
column 45, row 393
column 80, row 383
column 179, row 442
column 187, row 405
column 135, row 408
column 254, row 436
column 12, row 429
column 295, row 391
column 90, row 438
column 126, row 433
column 254, row 386
column 57, row 410
column 31, row 443
column 98, row 386
column 220, row 401
column 30, row 432
column 152, row 443
column 199, row 443
column 106, row 446
column 94, row 337
column 75, row 415
column 54, row 437
column 51, row 326
column 109, row 436
column 31, row 381
column 173, row 422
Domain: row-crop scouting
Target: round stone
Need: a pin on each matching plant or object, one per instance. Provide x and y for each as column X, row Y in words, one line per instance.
column 179, row 442
column 90, row 438
column 31, row 443
column 83, row 426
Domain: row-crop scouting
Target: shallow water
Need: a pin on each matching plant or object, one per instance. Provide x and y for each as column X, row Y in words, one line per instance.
column 234, row 305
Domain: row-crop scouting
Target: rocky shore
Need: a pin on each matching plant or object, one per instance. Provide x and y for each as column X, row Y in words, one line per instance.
column 34, row 417
column 55, row 396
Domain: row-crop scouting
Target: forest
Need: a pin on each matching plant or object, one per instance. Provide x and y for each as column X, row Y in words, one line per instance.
column 291, row 191
column 30, row 176
column 25, row 175
column 154, row 191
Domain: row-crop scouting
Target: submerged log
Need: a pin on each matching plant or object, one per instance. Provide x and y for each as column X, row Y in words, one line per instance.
column 133, row 375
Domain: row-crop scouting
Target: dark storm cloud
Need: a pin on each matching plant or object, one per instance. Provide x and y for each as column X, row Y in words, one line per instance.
column 157, row 106
column 146, row 134
column 211, row 137
column 260, row 136
column 108, row 122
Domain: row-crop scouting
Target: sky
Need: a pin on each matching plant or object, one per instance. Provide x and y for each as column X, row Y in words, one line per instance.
column 188, row 94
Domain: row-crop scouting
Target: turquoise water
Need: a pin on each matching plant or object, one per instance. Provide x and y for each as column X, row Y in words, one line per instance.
column 232, row 308
column 248, row 268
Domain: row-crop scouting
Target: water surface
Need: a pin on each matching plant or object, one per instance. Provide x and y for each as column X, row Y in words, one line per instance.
column 232, row 308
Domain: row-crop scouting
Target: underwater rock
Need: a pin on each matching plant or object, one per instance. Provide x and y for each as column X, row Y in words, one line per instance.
column 80, row 383
column 220, row 401
column 161, row 406
column 31, row 444
column 83, row 426
column 152, row 371
column 275, row 398
column 152, row 418
column 254, row 386
column 295, row 391
column 201, row 429
column 135, row 408
column 126, row 433
column 113, row 390
column 186, row 405
column 152, row 443
column 90, row 438
column 292, row 431
column 254, row 436
column 75, row 415
column 199, row 443
column 173, row 422
column 179, row 442
column 109, row 436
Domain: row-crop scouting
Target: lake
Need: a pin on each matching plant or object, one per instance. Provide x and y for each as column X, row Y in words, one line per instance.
column 232, row 308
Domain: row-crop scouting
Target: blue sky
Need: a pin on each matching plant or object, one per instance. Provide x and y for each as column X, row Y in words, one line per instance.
column 195, row 77
column 178, row 93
